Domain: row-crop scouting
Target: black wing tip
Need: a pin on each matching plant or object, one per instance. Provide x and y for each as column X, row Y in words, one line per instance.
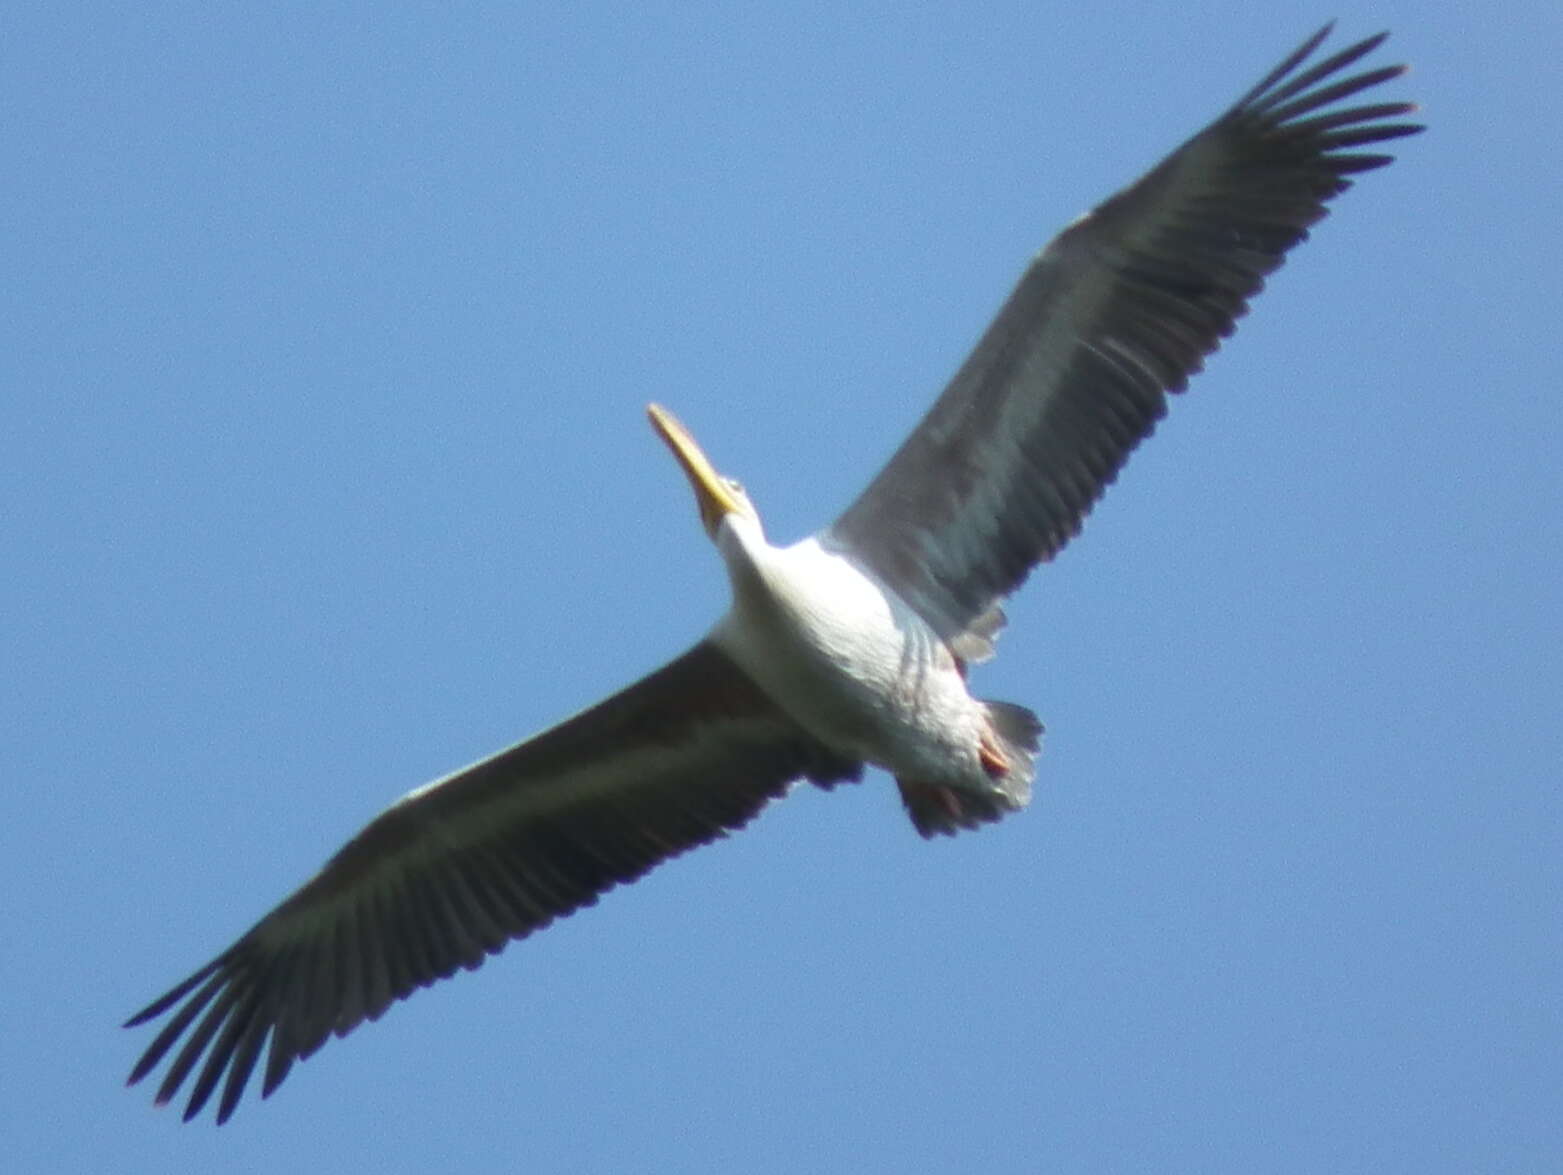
column 1367, row 44
column 171, row 997
column 168, row 1092
column 187, row 1001
column 1342, row 56
column 1273, row 96
column 1305, row 100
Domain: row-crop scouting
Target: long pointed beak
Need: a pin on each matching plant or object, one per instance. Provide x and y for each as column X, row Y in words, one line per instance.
column 711, row 491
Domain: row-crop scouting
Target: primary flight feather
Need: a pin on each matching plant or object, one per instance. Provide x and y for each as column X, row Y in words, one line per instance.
column 848, row 648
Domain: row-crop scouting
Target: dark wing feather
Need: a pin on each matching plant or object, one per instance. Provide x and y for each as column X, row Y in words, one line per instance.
column 453, row 871
column 1120, row 309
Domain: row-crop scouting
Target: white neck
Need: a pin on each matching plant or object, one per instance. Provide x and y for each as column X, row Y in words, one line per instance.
column 741, row 541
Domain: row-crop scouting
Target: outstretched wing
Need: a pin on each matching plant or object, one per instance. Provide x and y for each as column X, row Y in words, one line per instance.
column 1120, row 309
column 454, row 870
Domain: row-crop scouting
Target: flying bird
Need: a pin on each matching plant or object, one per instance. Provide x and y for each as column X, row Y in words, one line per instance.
column 846, row 649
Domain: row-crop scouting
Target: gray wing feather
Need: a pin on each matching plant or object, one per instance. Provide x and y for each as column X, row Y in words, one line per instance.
column 1120, row 309
column 455, row 870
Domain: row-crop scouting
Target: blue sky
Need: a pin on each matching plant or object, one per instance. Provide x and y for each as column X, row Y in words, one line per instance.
column 325, row 471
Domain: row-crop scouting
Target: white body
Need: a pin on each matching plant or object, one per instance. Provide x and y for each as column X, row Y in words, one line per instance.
column 848, row 660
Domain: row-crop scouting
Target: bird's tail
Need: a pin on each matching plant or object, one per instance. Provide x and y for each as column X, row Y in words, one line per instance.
column 1013, row 741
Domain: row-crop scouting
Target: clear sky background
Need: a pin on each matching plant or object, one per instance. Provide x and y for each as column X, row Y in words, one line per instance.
column 323, row 471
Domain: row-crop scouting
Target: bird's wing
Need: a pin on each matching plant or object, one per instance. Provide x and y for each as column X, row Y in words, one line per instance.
column 454, row 870
column 1120, row 309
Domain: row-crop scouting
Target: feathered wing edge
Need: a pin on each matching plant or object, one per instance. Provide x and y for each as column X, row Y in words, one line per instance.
column 1119, row 310
column 455, row 870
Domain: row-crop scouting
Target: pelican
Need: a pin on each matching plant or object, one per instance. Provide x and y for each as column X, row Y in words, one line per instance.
column 847, row 649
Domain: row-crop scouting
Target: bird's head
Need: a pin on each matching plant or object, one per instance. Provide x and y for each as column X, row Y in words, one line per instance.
column 717, row 496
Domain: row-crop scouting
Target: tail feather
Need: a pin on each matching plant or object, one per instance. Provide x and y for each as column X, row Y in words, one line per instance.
column 942, row 809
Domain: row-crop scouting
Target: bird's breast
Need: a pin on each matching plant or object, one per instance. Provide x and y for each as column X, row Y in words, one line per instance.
column 849, row 660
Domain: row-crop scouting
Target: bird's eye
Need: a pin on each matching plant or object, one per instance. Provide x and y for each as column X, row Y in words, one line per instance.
column 734, row 485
